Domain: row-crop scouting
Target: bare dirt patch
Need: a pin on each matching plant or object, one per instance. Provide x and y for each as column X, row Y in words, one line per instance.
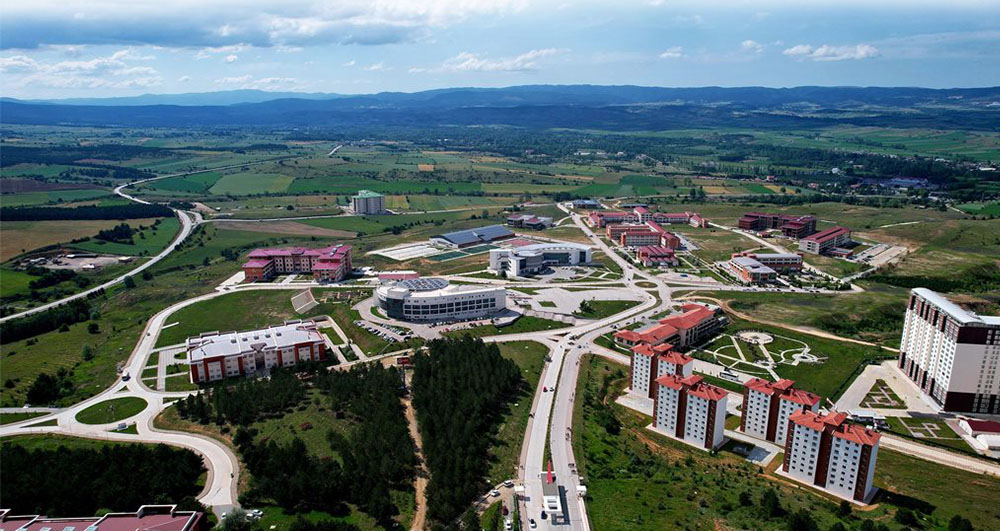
column 13, row 186
column 284, row 227
column 425, row 167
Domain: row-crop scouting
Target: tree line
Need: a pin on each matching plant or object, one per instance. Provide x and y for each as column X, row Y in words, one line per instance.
column 461, row 388
column 129, row 211
column 75, row 311
column 81, row 481
column 245, row 401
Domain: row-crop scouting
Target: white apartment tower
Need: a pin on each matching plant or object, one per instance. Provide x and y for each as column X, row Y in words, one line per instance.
column 690, row 410
column 827, row 452
column 767, row 407
column 652, row 362
column 952, row 354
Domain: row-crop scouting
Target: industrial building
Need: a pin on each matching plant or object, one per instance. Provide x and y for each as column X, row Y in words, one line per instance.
column 434, row 299
column 827, row 452
column 368, row 202
column 471, row 237
column 795, row 227
column 690, row 410
column 158, row 517
column 825, row 241
column 216, row 355
column 652, row 362
column 951, row 354
column 532, row 259
column 767, row 406
column 329, row 264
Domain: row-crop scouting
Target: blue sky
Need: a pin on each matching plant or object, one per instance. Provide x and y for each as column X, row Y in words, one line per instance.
column 94, row 48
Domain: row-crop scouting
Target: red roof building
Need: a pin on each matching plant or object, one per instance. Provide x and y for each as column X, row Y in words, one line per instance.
column 828, row 452
column 825, row 240
column 767, row 406
column 650, row 362
column 688, row 409
column 329, row 264
column 694, row 324
column 655, row 255
column 148, row 517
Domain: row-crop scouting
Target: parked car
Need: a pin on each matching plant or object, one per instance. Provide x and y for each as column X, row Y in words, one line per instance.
column 495, row 494
column 532, row 524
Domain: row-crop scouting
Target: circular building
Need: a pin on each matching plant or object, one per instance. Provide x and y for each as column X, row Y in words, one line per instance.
column 434, row 299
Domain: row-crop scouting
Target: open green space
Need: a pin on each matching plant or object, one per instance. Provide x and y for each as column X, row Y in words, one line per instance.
column 599, row 309
column 251, row 183
column 8, row 418
column 269, row 307
column 111, row 410
column 149, row 241
column 522, row 325
column 932, row 430
column 53, row 197
column 505, row 453
column 882, row 396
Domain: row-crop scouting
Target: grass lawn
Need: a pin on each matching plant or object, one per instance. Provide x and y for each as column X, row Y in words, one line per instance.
column 53, row 441
column 7, row 418
column 111, row 410
column 310, row 421
column 180, row 383
column 345, row 316
column 601, row 309
column 229, row 312
column 23, row 236
column 882, row 396
column 506, row 449
column 928, row 429
column 149, row 241
column 522, row 325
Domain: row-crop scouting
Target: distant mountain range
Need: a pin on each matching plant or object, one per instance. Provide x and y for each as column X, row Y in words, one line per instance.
column 534, row 106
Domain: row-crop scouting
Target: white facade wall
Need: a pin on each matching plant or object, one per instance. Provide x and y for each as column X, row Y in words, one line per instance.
column 756, row 415
column 641, row 365
column 842, row 471
column 696, row 420
column 803, row 455
column 785, row 410
column 667, row 401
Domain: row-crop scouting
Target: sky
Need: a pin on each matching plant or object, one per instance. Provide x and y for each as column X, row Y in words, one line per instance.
column 104, row 48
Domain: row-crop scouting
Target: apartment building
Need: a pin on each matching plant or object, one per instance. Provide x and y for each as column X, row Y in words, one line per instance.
column 651, row 362
column 690, row 410
column 825, row 240
column 329, row 264
column 216, row 355
column 368, row 203
column 951, row 354
column 767, row 406
column 827, row 452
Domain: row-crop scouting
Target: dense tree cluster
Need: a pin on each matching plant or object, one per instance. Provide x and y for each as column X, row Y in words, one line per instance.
column 245, row 401
column 51, row 277
column 121, row 233
column 47, row 389
column 460, row 390
column 74, row 311
column 126, row 211
column 78, row 482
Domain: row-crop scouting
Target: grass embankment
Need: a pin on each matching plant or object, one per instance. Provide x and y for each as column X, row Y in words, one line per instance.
column 523, row 325
column 243, row 310
column 112, row 410
column 9, row 418
column 639, row 480
column 505, row 452
column 595, row 309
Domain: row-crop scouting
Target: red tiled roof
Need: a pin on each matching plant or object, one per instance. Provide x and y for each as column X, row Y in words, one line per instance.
column 656, row 251
column 257, row 262
column 800, row 396
column 654, row 226
column 857, row 434
column 989, row 426
column 676, row 358
column 817, row 421
column 693, row 315
column 643, row 350
column 641, row 210
column 760, row 385
column 827, row 234
column 706, row 391
column 672, row 381
column 655, row 334
column 628, row 335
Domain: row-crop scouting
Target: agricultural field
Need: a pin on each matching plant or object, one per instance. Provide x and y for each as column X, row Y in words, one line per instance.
column 150, row 240
column 52, row 197
column 24, row 236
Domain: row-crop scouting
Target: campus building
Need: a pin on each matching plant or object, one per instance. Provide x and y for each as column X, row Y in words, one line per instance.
column 767, row 406
column 528, row 221
column 471, row 237
column 655, row 255
column 434, row 299
column 795, row 227
column 588, row 204
column 368, row 202
column 158, row 517
column 783, row 263
column 951, row 354
column 532, row 259
column 692, row 325
column 825, row 241
column 750, row 271
column 216, row 355
column 641, row 214
column 688, row 409
column 827, row 452
column 641, row 234
column 329, row 264
column 652, row 362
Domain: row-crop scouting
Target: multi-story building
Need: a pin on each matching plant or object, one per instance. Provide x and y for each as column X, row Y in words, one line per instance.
column 796, row 227
column 651, row 362
column 951, row 354
column 158, row 517
column 750, row 271
column 368, row 202
column 528, row 221
column 781, row 262
column 434, row 299
column 329, row 264
column 767, row 406
column 587, row 203
column 216, row 355
column 651, row 335
column 531, row 259
column 827, row 452
column 692, row 325
column 639, row 238
column 825, row 240
column 642, row 214
column 606, row 217
column 655, row 255
column 640, row 234
column 688, row 409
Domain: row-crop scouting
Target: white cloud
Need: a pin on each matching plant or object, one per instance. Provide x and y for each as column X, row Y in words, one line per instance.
column 184, row 79
column 674, row 52
column 472, row 62
column 208, row 52
column 377, row 67
column 827, row 52
column 248, row 81
column 231, row 58
column 752, row 46
column 352, row 62
column 108, row 71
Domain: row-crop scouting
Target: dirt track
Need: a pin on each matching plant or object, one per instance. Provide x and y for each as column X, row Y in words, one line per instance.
column 419, row 521
column 284, row 227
